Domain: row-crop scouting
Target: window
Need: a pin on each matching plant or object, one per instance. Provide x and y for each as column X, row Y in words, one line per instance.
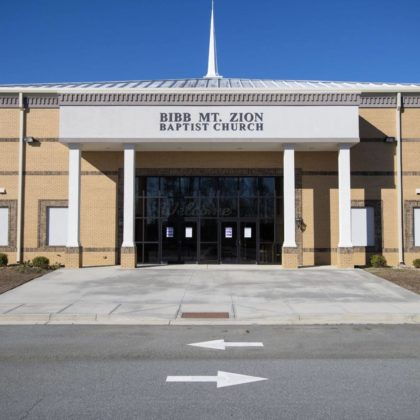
column 4, row 227
column 57, row 226
column 363, row 226
column 417, row 227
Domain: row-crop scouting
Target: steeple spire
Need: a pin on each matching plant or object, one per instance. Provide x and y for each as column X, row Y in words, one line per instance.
column 212, row 71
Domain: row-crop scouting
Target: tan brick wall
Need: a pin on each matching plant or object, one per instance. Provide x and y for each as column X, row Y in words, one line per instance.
column 410, row 123
column 9, row 123
column 377, row 123
column 46, row 156
column 42, row 123
column 95, row 259
column 319, row 193
column 9, row 153
column 98, row 211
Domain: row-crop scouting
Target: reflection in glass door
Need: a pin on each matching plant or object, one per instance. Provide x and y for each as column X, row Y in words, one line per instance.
column 209, row 219
column 229, row 242
column 188, row 250
column 179, row 241
column 248, row 242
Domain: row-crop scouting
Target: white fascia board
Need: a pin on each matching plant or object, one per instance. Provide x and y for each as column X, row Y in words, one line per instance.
column 131, row 123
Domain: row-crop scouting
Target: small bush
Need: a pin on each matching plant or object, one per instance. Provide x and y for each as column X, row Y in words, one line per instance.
column 416, row 263
column 378, row 261
column 41, row 262
column 3, row 260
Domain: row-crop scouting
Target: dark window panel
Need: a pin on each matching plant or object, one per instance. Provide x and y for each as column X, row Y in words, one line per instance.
column 208, row 230
column 228, row 206
column 248, row 186
column 151, row 230
column 208, row 207
column 152, row 186
column 169, row 185
column 248, row 207
column 228, row 185
column 267, row 186
column 151, row 253
column 208, row 186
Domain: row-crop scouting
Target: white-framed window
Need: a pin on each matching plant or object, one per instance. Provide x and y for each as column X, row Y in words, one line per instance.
column 4, row 226
column 363, row 226
column 57, row 226
column 417, row 227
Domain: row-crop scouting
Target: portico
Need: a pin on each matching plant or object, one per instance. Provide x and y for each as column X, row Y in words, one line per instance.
column 138, row 129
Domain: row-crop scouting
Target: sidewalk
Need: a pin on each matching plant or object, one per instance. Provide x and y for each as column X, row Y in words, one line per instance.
column 245, row 294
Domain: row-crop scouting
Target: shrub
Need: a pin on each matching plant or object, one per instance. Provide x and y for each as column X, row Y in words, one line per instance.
column 3, row 260
column 378, row 261
column 416, row 263
column 41, row 262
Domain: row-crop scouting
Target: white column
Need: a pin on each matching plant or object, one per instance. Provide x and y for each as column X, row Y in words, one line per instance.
column 73, row 233
column 289, row 199
column 129, row 192
column 344, row 196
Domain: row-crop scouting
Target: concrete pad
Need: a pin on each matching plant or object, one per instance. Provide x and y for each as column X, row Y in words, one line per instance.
column 83, row 308
column 406, row 307
column 145, row 310
column 250, row 294
column 29, row 308
column 258, row 313
column 308, row 308
column 6, row 308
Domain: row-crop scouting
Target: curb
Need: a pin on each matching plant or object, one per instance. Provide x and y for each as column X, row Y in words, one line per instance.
column 307, row 319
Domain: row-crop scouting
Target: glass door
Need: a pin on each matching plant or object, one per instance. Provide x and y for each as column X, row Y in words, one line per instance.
column 229, row 242
column 170, row 242
column 179, row 241
column 248, row 242
column 188, row 244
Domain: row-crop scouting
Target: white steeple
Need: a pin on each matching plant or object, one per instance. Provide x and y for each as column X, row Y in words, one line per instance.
column 212, row 72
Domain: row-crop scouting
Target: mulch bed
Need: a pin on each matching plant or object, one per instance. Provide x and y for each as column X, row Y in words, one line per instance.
column 404, row 277
column 14, row 276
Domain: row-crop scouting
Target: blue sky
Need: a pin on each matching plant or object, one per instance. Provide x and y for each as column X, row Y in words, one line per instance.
column 94, row 40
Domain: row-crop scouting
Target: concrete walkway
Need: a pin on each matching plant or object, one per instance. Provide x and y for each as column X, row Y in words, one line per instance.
column 249, row 294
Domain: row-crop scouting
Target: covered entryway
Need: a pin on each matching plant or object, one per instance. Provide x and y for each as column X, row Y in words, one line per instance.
column 209, row 219
column 206, row 126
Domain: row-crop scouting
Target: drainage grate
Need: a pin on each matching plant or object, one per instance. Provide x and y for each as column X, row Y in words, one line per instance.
column 219, row 315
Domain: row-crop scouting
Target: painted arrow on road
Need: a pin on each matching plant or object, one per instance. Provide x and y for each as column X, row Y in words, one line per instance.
column 222, row 344
column 223, row 379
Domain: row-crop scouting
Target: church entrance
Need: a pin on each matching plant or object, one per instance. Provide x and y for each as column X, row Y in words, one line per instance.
column 209, row 219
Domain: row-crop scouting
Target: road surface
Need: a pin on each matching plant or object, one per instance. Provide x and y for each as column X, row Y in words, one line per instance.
column 114, row 372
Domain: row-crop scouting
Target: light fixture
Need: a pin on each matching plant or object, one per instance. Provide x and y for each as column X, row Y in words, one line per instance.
column 29, row 140
column 300, row 224
column 389, row 139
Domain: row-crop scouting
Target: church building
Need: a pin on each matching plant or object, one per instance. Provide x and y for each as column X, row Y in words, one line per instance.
column 210, row 171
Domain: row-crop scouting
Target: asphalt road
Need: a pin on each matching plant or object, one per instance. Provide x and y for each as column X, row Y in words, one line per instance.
column 91, row 372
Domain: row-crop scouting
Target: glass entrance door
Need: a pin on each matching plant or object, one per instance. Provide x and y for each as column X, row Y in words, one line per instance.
column 179, row 241
column 229, row 242
column 209, row 219
column 248, row 242
column 188, row 249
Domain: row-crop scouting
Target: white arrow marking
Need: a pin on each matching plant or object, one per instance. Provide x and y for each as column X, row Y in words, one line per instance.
column 223, row 379
column 221, row 344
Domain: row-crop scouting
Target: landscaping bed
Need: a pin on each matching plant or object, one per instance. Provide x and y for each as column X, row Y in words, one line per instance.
column 14, row 276
column 404, row 277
